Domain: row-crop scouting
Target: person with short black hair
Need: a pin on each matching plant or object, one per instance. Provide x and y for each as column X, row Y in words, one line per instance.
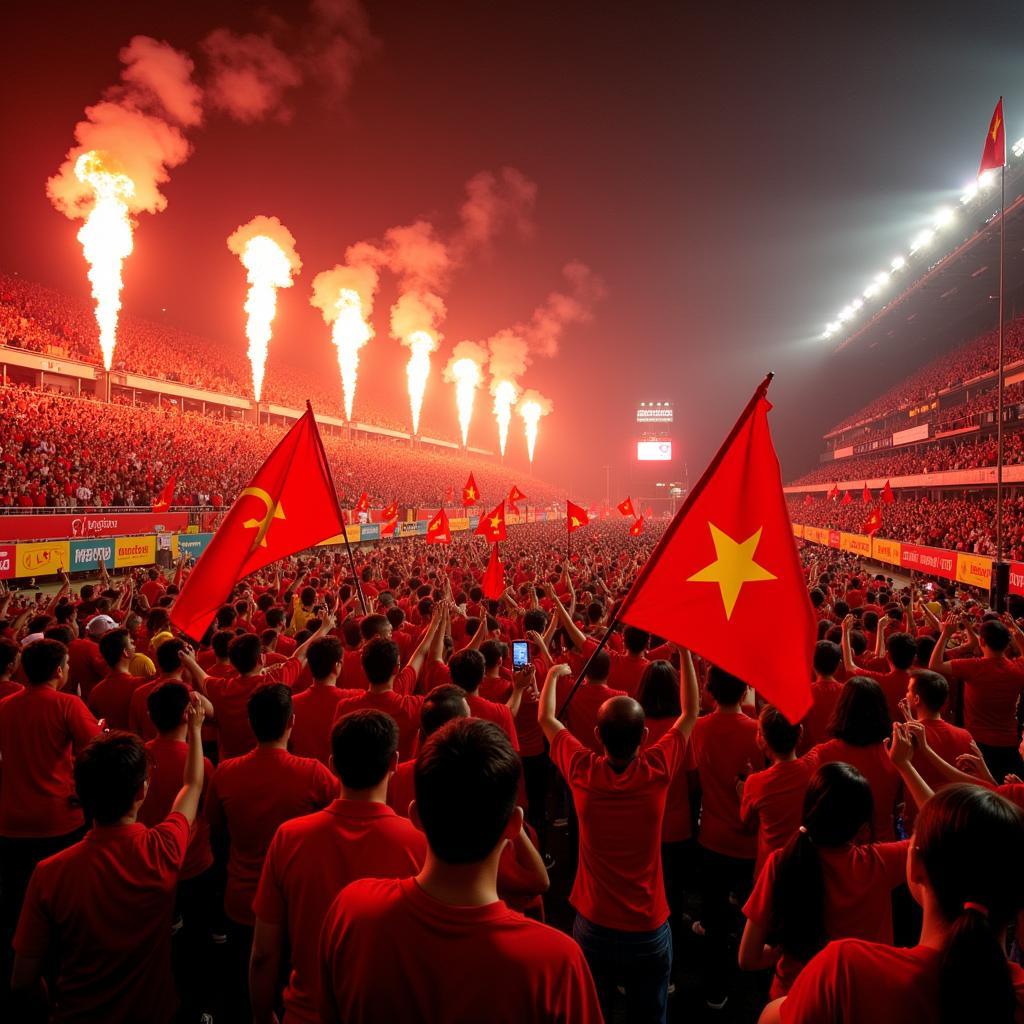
column 467, row 776
column 102, row 907
column 312, row 858
column 827, row 663
column 927, row 693
column 111, row 697
column 10, row 654
column 315, row 706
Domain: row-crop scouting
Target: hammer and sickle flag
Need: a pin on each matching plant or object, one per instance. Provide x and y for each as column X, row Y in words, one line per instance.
column 288, row 506
column 726, row 574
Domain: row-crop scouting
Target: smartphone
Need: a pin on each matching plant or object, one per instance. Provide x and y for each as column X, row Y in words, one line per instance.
column 520, row 653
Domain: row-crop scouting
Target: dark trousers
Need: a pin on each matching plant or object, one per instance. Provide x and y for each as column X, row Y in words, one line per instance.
column 1002, row 761
column 720, row 876
column 639, row 962
column 239, row 949
column 536, row 773
column 193, row 950
column 18, row 859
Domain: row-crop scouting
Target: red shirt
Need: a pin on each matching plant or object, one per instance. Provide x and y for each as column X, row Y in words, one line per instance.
column 893, row 682
column 139, row 721
column 310, row 860
column 314, row 714
column 352, row 675
column 724, row 745
column 510, row 969
column 86, row 666
column 949, row 742
column 874, row 764
column 825, row 695
column 991, row 688
column 401, row 788
column 774, row 800
column 9, row 686
column 678, row 823
column 581, row 715
column 105, row 906
column 528, row 732
column 41, row 729
column 619, row 882
column 491, row 711
column 111, row 699
column 854, row 982
column 858, row 897
column 166, row 770
column 230, row 699
column 626, row 672
column 252, row 795
column 404, row 708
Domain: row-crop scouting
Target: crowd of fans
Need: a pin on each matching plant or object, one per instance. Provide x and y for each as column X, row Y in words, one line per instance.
column 59, row 452
column 345, row 813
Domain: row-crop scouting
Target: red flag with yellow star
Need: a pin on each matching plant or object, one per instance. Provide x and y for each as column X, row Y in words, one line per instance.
column 363, row 504
column 438, row 530
column 492, row 525
column 725, row 576
column 626, row 507
column 516, row 495
column 994, row 154
column 575, row 517
column 493, row 582
column 288, row 506
column 391, row 512
column 470, row 493
column 388, row 528
column 637, row 527
column 874, row 521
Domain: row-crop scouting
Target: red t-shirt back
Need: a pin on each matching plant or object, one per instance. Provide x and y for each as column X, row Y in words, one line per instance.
column 404, row 708
column 774, row 800
column 111, row 698
column 991, row 689
column 230, row 698
column 314, row 716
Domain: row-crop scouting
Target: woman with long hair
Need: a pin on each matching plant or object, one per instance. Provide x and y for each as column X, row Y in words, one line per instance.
column 827, row 882
column 963, row 868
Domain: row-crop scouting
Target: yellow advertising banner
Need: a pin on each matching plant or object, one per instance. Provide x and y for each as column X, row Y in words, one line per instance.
column 798, row 530
column 885, row 550
column 351, row 531
column 42, row 558
column 857, row 543
column 816, row 535
column 458, row 525
column 975, row 570
column 129, row 551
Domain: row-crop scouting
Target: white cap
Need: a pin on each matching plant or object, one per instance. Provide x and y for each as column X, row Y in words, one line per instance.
column 100, row 624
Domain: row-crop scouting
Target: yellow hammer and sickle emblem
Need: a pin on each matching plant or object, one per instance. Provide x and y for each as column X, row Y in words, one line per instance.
column 261, row 526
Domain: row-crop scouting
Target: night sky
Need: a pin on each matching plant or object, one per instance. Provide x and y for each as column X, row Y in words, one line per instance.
column 734, row 172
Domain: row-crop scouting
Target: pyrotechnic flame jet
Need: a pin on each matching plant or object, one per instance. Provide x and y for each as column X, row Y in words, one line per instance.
column 268, row 268
column 106, row 238
column 531, row 413
column 467, row 379
column 417, row 370
column 350, row 332
column 505, row 396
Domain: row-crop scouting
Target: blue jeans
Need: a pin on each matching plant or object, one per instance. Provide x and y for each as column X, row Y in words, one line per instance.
column 640, row 962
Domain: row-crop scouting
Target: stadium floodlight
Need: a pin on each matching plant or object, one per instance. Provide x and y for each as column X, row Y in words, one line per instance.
column 987, row 179
column 1018, row 148
column 922, row 240
column 872, row 290
column 846, row 313
column 943, row 217
column 898, row 263
column 970, row 191
column 856, row 304
column 882, row 278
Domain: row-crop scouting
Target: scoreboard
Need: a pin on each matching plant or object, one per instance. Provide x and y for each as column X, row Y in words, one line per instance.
column 654, row 451
column 654, row 427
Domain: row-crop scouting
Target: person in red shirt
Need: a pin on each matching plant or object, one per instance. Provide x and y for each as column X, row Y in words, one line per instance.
column 825, row 883
column 900, row 652
column 10, row 654
column 41, row 728
column 312, row 858
column 627, row 669
column 154, row 588
column 102, row 908
column 825, row 691
column 467, row 669
column 619, row 893
column 510, row 969
column 582, row 713
column 250, row 796
column 926, row 699
column 773, row 799
column 963, row 869
column 86, row 664
column 725, row 751
column 992, row 685
column 177, row 664
column 111, row 697
column 315, row 706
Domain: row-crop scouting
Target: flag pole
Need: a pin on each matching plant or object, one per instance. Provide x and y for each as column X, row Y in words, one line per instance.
column 684, row 509
column 337, row 505
column 999, row 361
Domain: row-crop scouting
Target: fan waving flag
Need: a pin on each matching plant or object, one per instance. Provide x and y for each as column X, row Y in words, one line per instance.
column 626, row 507
column 874, row 522
column 575, row 516
column 493, row 582
column 438, row 530
column 492, row 525
column 637, row 528
column 288, row 506
column 163, row 503
column 993, row 156
column 847, row 498
column 470, row 494
column 726, row 572
column 865, row 495
column 391, row 512
column 363, row 504
column 516, row 495
column 887, row 496
column 388, row 529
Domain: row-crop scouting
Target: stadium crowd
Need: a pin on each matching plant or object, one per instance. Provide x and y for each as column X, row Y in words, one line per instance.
column 389, row 803
column 59, row 452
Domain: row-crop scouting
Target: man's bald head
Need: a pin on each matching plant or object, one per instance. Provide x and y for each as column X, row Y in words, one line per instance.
column 620, row 726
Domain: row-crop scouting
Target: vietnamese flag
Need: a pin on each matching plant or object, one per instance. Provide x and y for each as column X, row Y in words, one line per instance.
column 391, row 512
column 887, row 496
column 470, row 494
column 163, row 503
column 846, row 498
column 834, row 493
column 637, row 528
column 648, row 512
column 994, row 154
column 363, row 504
column 865, row 495
column 726, row 572
column 575, row 516
column 516, row 495
column 388, row 529
column 874, row 522
column 438, row 531
column 288, row 506
column 493, row 582
column 626, row 507
column 492, row 525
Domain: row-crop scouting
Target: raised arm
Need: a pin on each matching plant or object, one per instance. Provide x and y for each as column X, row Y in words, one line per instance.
column 187, row 800
column 549, row 724
column 689, row 694
column 419, row 655
column 576, row 636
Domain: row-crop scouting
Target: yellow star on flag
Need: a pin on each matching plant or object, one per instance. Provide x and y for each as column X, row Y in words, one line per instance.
column 733, row 567
column 995, row 127
column 495, row 522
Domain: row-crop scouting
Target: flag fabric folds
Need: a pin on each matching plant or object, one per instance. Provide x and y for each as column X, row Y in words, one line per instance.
column 626, row 507
column 388, row 529
column 391, row 512
column 887, row 496
column 847, row 498
column 636, row 527
column 516, row 495
column 726, row 572
column 470, row 493
column 363, row 504
column 166, row 498
column 865, row 495
column 873, row 523
column 493, row 582
column 288, row 506
column 438, row 530
column 993, row 156
column 492, row 525
column 575, row 516
column 834, row 493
